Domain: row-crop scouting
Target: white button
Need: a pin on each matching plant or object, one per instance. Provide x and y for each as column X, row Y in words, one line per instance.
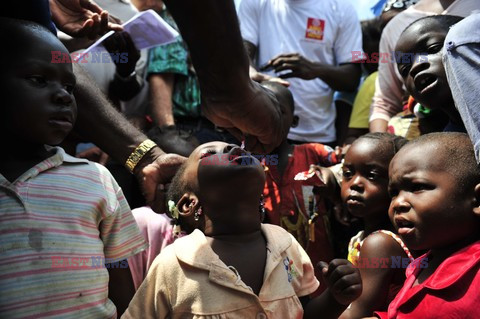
column 261, row 315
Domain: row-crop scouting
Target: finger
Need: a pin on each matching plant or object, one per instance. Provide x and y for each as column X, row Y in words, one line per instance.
column 340, row 272
column 90, row 5
column 103, row 22
column 286, row 67
column 282, row 55
column 334, row 264
column 323, row 267
column 289, row 75
column 115, row 26
column 159, row 204
column 103, row 158
column 283, row 60
column 93, row 32
column 279, row 81
column 236, row 133
column 345, row 282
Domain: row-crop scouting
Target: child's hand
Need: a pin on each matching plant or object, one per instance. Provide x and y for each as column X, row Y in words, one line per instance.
column 344, row 281
column 330, row 188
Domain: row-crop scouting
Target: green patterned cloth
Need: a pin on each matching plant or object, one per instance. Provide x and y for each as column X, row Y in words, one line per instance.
column 173, row 58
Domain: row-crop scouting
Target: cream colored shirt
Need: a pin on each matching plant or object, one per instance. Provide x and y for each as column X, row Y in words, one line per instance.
column 188, row 280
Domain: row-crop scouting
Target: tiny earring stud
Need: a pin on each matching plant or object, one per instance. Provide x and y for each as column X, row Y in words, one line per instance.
column 197, row 214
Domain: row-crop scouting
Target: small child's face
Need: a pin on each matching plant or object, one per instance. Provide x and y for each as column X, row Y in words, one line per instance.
column 365, row 178
column 215, row 165
column 429, row 208
column 421, row 67
column 39, row 106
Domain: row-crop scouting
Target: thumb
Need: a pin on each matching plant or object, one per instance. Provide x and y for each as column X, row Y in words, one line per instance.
column 323, row 267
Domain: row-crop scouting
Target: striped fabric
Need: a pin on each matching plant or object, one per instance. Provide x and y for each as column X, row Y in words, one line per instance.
column 58, row 222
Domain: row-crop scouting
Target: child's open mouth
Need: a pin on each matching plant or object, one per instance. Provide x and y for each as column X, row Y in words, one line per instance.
column 424, row 82
column 404, row 226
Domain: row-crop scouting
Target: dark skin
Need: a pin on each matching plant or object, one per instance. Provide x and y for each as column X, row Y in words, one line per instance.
column 41, row 110
column 430, row 208
column 232, row 225
column 41, row 106
column 432, row 6
column 364, row 192
column 425, row 76
column 230, row 98
column 344, row 77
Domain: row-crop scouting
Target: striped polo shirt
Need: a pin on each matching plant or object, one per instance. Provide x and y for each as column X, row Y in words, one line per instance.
column 59, row 223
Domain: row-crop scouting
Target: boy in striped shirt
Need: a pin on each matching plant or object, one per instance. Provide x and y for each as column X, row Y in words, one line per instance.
column 61, row 218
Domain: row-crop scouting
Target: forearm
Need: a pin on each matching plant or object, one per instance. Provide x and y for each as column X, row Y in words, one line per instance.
column 324, row 306
column 99, row 122
column 378, row 125
column 161, row 90
column 340, row 78
column 219, row 59
column 125, row 88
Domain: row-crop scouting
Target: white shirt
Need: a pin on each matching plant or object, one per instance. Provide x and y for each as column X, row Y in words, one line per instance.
column 324, row 31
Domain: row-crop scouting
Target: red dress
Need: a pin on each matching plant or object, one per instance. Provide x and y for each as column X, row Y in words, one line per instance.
column 452, row 291
column 290, row 204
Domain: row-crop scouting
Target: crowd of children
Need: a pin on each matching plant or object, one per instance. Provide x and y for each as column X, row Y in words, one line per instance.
column 227, row 233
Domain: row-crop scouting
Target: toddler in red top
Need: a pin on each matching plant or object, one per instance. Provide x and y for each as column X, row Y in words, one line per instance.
column 435, row 189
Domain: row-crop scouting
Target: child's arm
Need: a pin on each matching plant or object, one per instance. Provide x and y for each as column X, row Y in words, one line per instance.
column 377, row 275
column 345, row 285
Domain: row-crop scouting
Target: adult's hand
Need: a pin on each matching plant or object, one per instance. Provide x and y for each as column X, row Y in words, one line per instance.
column 153, row 172
column 82, row 18
column 258, row 120
column 261, row 77
column 299, row 66
column 122, row 43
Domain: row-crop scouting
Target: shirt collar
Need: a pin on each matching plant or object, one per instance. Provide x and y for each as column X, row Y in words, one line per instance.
column 452, row 269
column 58, row 158
column 202, row 256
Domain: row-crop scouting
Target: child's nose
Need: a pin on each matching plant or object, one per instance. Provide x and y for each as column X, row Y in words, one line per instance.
column 418, row 65
column 233, row 149
column 400, row 205
column 357, row 183
column 62, row 97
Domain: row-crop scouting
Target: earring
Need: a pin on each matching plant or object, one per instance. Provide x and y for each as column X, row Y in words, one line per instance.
column 197, row 214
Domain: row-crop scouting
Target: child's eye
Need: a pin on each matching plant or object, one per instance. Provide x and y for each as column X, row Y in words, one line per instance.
column 372, row 176
column 69, row 88
column 37, row 80
column 419, row 187
column 347, row 174
column 435, row 48
column 207, row 153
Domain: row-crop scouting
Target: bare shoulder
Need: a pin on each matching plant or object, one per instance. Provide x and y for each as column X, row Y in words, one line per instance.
column 382, row 246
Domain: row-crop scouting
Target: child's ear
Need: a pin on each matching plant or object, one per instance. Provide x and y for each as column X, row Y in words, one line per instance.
column 188, row 204
column 295, row 121
column 476, row 208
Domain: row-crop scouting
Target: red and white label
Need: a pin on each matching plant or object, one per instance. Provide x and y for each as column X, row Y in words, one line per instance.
column 315, row 29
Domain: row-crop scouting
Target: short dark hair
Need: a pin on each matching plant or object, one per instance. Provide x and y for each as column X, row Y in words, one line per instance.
column 396, row 142
column 280, row 91
column 459, row 159
column 15, row 35
column 443, row 21
column 178, row 187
